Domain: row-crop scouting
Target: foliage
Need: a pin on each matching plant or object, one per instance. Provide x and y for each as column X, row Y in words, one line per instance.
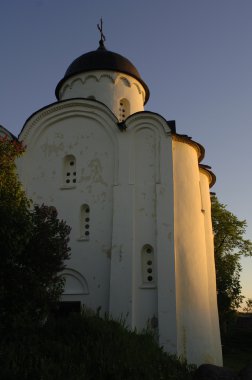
column 229, row 231
column 229, row 246
column 248, row 307
column 14, row 206
column 33, row 247
column 88, row 347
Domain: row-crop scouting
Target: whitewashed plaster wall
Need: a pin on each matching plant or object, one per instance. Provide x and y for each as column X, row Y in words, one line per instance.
column 108, row 87
column 212, row 291
column 128, row 187
column 142, row 187
column 72, row 128
column 145, row 182
column 193, row 309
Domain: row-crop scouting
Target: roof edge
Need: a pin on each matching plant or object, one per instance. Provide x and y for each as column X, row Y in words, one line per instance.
column 65, row 78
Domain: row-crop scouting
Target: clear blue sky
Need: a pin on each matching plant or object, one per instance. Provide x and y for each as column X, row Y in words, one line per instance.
column 195, row 56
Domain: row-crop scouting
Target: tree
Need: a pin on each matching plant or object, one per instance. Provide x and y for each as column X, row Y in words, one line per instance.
column 33, row 248
column 248, row 307
column 229, row 246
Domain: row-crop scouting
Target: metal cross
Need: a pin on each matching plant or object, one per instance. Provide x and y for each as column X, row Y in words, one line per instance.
column 101, row 31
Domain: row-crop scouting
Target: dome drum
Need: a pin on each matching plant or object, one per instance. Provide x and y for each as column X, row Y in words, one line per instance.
column 101, row 60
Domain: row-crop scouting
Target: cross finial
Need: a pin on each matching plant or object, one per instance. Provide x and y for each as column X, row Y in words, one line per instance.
column 99, row 26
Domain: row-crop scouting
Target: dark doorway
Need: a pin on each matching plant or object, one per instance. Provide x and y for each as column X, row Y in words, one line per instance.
column 65, row 308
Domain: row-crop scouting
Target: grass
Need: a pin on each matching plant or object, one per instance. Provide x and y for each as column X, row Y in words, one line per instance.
column 86, row 347
column 237, row 348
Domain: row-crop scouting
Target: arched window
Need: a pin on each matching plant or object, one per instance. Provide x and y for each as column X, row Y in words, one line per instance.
column 148, row 275
column 69, row 171
column 85, row 222
column 124, row 109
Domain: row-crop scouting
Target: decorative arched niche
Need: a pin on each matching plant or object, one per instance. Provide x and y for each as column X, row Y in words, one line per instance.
column 75, row 284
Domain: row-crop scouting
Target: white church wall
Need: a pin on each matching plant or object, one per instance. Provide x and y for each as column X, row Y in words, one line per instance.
column 193, row 312
column 146, row 153
column 167, row 322
column 133, row 201
column 88, row 138
column 121, row 305
column 212, row 295
column 108, row 87
column 135, row 225
column 151, row 172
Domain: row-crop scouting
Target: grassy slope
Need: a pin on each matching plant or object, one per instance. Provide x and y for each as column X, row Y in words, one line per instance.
column 87, row 347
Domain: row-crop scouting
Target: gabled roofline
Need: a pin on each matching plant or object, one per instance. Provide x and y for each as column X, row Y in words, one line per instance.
column 13, row 137
column 59, row 103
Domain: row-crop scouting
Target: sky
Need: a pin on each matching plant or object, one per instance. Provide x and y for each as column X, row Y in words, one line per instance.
column 194, row 55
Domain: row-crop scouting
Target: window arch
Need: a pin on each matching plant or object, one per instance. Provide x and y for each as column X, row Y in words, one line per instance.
column 148, row 275
column 75, row 283
column 84, row 222
column 124, row 109
column 69, row 171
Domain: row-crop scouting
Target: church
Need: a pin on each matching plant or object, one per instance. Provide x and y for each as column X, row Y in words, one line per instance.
column 137, row 199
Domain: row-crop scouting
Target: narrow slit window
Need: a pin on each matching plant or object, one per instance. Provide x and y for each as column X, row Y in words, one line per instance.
column 85, row 222
column 69, row 172
column 148, row 275
column 124, row 109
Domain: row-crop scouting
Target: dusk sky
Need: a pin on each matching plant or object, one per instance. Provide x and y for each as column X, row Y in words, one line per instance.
column 194, row 55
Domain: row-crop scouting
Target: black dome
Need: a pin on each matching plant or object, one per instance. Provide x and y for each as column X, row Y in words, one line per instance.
column 102, row 59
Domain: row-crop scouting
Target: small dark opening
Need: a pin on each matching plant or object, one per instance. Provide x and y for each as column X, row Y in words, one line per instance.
column 66, row 308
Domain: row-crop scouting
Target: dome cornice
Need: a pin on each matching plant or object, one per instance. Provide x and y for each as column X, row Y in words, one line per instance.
column 211, row 176
column 102, row 59
column 186, row 139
